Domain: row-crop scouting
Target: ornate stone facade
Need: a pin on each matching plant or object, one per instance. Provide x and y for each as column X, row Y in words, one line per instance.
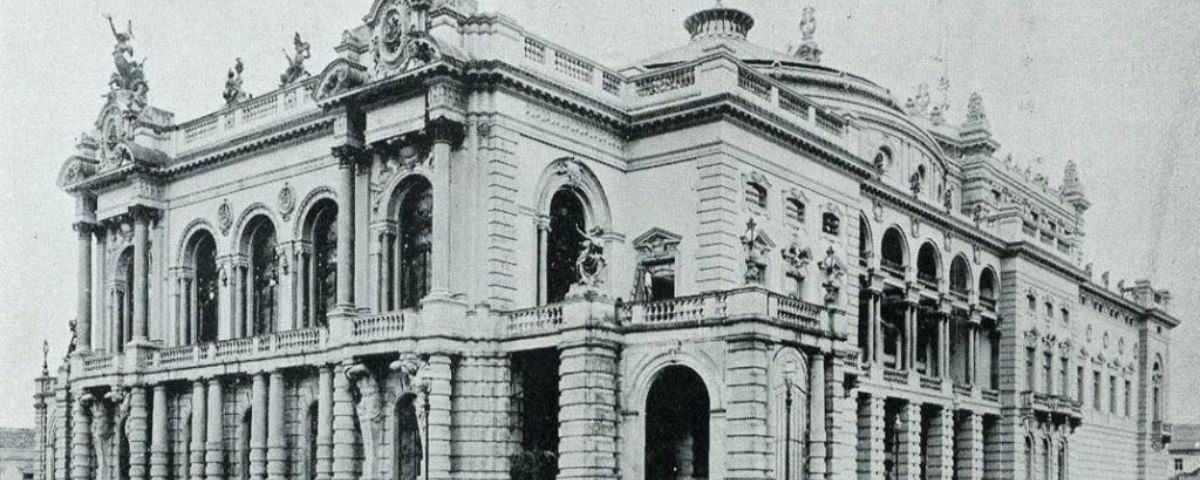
column 475, row 254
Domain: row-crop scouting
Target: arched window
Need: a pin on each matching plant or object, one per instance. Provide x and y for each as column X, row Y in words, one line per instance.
column 413, row 246
column 987, row 288
column 789, row 408
column 568, row 221
column 122, row 301
column 243, row 443
column 927, row 265
column 1028, row 458
column 262, row 280
column 199, row 309
column 320, row 269
column 864, row 241
column 407, row 444
column 677, row 410
column 1046, row 452
column 960, row 276
column 892, row 256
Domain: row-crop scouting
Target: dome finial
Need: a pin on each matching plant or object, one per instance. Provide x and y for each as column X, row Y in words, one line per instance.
column 719, row 22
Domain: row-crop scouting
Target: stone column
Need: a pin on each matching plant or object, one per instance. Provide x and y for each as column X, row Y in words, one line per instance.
column 870, row 437
column 877, row 326
column 345, row 458
column 214, row 451
column 908, row 462
column 817, row 449
column 137, row 428
column 277, row 454
column 81, row 438
column 940, row 465
column 286, row 289
column 972, row 351
column 438, row 423
column 325, row 423
column 443, row 134
column 258, row 426
column 141, row 272
column 347, row 157
column 910, row 336
column 159, row 449
column 543, row 233
column 587, row 426
column 944, row 343
column 83, row 310
column 199, row 427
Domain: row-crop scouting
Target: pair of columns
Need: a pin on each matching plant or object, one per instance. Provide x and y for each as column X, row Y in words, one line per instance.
column 909, row 338
column 268, row 448
column 141, row 217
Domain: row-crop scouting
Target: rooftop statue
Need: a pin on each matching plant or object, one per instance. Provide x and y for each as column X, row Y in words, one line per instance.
column 295, row 70
column 233, row 84
column 807, row 49
column 129, row 75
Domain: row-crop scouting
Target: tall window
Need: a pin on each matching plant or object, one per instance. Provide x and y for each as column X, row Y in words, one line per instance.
column 1048, row 373
column 320, row 269
column 123, row 310
column 1030, row 368
column 262, row 275
column 564, row 243
column 1063, row 373
column 892, row 251
column 1112, row 394
column 1127, row 388
column 1079, row 385
column 414, row 249
column 200, row 310
column 1096, row 390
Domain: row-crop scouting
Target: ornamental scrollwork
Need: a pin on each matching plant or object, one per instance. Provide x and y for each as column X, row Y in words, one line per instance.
column 834, row 270
column 757, row 246
column 590, row 264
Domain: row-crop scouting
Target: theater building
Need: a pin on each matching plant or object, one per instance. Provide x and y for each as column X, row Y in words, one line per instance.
column 461, row 250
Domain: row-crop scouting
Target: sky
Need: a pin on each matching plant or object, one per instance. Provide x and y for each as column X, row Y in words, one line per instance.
column 1112, row 84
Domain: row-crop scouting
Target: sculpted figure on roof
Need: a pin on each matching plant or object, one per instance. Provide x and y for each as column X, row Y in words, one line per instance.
column 129, row 75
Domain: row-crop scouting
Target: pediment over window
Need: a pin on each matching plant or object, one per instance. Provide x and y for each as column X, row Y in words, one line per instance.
column 657, row 244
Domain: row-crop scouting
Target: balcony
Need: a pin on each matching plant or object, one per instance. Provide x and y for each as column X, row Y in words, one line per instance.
column 927, row 280
column 722, row 307
column 309, row 340
column 892, row 267
column 931, row 383
column 988, row 303
column 1054, row 405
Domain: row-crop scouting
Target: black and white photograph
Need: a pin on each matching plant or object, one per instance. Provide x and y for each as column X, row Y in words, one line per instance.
column 612, row 240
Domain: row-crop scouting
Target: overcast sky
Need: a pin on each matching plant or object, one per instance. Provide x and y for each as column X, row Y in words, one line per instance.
column 1113, row 84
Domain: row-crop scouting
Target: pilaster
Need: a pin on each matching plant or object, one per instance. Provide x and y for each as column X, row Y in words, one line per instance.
column 81, row 438
column 908, row 461
column 940, row 464
column 870, row 437
column 747, row 453
column 588, row 410
column 818, row 451
column 137, row 428
column 325, row 423
column 440, row 371
column 258, row 424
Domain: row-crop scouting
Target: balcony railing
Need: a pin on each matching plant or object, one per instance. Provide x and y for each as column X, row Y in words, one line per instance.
column 988, row 303
column 717, row 306
column 241, row 349
column 990, row 395
column 892, row 267
column 892, row 375
column 931, row 383
column 544, row 319
column 382, row 325
column 962, row 389
column 929, row 280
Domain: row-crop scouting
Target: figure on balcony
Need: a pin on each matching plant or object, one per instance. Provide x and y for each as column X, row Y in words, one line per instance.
column 590, row 263
column 295, row 70
column 834, row 270
column 129, row 75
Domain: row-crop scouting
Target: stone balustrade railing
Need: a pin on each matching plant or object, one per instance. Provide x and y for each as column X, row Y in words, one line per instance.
column 536, row 320
column 243, row 117
column 722, row 306
column 380, row 325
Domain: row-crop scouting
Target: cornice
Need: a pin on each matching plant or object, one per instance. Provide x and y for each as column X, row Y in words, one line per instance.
column 887, row 193
column 249, row 143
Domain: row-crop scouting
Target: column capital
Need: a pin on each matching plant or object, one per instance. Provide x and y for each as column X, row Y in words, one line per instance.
column 143, row 212
column 349, row 154
column 85, row 228
column 443, row 130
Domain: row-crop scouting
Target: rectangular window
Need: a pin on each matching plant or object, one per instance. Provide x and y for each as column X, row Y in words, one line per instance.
column 1178, row 464
column 1079, row 385
column 1066, row 315
column 1030, row 366
column 1096, row 389
column 1112, row 394
column 1127, row 408
column 1049, row 310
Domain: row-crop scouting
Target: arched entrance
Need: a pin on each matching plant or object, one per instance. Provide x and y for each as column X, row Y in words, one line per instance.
column 408, row 440
column 677, row 426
